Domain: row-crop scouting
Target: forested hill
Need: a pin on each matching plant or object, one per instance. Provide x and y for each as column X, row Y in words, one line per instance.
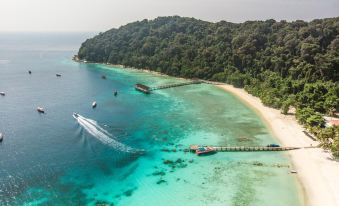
column 281, row 62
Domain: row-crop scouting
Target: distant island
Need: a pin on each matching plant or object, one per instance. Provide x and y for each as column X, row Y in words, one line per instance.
column 285, row 64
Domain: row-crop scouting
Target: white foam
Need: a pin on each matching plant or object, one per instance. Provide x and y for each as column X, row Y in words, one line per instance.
column 102, row 135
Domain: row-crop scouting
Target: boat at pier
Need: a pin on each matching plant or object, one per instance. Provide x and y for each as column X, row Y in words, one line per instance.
column 205, row 150
column 273, row 145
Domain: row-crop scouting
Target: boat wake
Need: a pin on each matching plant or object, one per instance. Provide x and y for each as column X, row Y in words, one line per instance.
column 92, row 127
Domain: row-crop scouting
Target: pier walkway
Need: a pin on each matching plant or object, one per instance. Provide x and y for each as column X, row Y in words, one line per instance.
column 193, row 148
column 146, row 89
column 175, row 85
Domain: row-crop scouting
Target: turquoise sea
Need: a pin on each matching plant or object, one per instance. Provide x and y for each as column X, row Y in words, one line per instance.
column 129, row 150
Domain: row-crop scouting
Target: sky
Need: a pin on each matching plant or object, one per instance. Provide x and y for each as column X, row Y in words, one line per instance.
column 101, row 15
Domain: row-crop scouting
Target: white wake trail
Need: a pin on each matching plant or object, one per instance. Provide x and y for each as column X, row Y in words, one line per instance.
column 102, row 135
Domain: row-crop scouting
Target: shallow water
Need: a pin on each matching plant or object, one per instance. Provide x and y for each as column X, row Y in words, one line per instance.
column 53, row 159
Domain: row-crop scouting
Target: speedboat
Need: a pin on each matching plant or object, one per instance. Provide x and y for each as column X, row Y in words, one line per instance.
column 1, row 137
column 94, row 104
column 205, row 150
column 58, row 75
column 2, row 93
column 40, row 110
column 75, row 115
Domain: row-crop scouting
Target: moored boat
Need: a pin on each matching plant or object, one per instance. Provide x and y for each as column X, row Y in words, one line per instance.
column 103, row 77
column 94, row 104
column 205, row 150
column 293, row 171
column 40, row 110
column 1, row 137
column 273, row 145
column 2, row 93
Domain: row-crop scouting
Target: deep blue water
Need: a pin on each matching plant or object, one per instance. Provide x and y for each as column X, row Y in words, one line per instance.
column 51, row 159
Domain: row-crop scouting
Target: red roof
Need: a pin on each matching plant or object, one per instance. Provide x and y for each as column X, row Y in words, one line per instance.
column 334, row 122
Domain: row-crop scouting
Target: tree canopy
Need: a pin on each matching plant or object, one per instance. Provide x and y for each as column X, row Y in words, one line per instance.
column 284, row 63
column 272, row 60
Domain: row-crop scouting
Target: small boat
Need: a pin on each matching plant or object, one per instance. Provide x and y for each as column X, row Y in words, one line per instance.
column 293, row 172
column 29, row 72
column 273, row 145
column 205, row 150
column 94, row 104
column 40, row 110
column 103, row 77
column 75, row 115
column 2, row 93
column 115, row 93
column 1, row 137
column 58, row 75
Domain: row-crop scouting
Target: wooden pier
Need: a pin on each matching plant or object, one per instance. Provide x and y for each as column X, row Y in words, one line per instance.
column 193, row 148
column 175, row 85
column 146, row 89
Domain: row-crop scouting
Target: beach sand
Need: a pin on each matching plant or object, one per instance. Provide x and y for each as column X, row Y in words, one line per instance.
column 317, row 172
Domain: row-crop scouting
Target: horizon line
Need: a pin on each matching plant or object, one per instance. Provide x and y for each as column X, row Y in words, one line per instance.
column 153, row 18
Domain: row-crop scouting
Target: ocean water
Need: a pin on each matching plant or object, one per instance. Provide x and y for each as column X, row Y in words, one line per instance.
column 130, row 149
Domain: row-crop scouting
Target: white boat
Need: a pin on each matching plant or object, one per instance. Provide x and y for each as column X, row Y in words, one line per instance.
column 94, row 104
column 1, row 137
column 40, row 110
column 2, row 93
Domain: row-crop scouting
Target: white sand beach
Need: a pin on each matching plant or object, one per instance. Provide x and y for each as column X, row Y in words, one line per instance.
column 317, row 172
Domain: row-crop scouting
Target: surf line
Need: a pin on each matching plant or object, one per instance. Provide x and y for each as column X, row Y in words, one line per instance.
column 93, row 128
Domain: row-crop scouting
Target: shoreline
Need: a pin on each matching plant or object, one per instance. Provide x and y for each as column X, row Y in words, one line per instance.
column 317, row 173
